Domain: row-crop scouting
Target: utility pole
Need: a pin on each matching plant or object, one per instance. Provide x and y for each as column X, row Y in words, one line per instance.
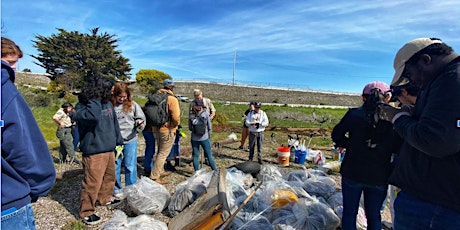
column 234, row 64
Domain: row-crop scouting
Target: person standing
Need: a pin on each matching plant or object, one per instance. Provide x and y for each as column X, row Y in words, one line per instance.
column 166, row 134
column 27, row 166
column 100, row 134
column 149, row 151
column 200, row 125
column 256, row 120
column 245, row 131
column 366, row 166
column 64, row 133
column 76, row 137
column 428, row 169
column 131, row 120
column 209, row 107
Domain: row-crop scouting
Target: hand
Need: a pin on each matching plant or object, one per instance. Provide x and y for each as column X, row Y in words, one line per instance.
column 257, row 125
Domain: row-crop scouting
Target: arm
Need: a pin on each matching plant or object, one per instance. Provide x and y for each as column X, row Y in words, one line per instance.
column 212, row 109
column 139, row 116
column 438, row 111
column 25, row 153
column 339, row 132
column 57, row 118
column 208, row 119
column 119, row 138
column 89, row 114
column 264, row 123
column 174, row 111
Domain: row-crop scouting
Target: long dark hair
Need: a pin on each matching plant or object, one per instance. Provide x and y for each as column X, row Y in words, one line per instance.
column 96, row 88
column 373, row 100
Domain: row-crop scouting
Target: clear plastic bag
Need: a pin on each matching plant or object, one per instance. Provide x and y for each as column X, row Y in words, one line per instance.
column 146, row 196
column 188, row 191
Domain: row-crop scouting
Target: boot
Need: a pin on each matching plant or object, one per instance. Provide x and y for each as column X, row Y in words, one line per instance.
column 178, row 163
column 170, row 167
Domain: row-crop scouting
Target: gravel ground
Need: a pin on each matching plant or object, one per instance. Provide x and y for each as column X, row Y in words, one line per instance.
column 59, row 210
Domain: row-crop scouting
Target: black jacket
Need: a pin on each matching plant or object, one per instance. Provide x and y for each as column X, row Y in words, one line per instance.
column 429, row 163
column 368, row 150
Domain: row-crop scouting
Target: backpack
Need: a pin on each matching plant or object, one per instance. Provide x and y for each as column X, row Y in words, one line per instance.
column 155, row 109
column 199, row 125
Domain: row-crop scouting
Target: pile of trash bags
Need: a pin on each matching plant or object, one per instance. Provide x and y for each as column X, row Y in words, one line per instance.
column 299, row 199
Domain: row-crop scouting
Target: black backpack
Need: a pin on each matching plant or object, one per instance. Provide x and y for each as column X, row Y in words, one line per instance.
column 199, row 125
column 155, row 109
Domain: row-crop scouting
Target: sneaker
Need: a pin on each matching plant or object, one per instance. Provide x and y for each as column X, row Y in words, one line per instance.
column 241, row 147
column 113, row 202
column 119, row 195
column 170, row 167
column 93, row 219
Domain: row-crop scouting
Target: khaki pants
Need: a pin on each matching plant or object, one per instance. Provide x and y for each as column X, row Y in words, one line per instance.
column 98, row 181
column 244, row 135
column 165, row 141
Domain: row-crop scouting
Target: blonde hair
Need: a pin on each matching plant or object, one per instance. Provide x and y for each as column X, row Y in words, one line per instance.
column 197, row 92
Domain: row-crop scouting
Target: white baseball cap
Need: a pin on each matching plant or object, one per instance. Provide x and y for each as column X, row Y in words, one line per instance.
column 405, row 53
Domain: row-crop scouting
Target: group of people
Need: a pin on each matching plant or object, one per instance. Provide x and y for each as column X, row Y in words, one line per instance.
column 414, row 147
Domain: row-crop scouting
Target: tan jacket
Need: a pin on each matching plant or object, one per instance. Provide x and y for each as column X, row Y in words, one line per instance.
column 173, row 112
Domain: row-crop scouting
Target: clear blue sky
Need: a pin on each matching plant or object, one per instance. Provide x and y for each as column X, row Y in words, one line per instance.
column 317, row 44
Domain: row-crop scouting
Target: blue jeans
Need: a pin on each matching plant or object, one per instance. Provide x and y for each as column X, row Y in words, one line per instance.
column 130, row 165
column 22, row 218
column 206, row 144
column 373, row 199
column 149, row 150
column 175, row 150
column 414, row 213
column 76, row 137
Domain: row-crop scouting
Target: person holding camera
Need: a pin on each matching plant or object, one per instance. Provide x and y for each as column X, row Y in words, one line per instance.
column 428, row 168
column 366, row 167
column 256, row 120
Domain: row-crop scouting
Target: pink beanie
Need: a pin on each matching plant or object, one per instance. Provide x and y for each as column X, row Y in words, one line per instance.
column 376, row 85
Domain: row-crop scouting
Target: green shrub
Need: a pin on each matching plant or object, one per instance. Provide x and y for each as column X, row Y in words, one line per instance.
column 71, row 98
column 220, row 118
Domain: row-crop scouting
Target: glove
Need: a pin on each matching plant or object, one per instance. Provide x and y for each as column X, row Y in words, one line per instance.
column 181, row 132
column 119, row 151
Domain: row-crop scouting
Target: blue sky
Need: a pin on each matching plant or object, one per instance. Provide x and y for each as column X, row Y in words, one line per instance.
column 317, row 44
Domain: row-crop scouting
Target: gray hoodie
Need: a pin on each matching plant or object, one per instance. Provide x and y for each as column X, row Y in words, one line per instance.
column 129, row 122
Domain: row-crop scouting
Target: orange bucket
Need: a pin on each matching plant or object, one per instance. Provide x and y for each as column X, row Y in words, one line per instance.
column 283, row 155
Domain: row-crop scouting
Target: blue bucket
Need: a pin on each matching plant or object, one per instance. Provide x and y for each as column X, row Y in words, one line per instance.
column 300, row 157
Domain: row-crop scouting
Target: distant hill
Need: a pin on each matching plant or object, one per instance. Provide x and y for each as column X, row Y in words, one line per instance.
column 219, row 92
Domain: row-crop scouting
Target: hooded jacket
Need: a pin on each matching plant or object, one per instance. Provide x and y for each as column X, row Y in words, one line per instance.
column 27, row 166
column 98, row 127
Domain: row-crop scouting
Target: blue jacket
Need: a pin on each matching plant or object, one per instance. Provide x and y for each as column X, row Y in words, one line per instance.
column 27, row 166
column 428, row 165
column 98, row 127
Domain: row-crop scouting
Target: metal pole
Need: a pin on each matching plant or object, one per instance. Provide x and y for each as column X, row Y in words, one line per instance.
column 234, row 66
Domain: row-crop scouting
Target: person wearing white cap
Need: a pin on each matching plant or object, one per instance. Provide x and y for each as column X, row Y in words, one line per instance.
column 366, row 166
column 428, row 166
